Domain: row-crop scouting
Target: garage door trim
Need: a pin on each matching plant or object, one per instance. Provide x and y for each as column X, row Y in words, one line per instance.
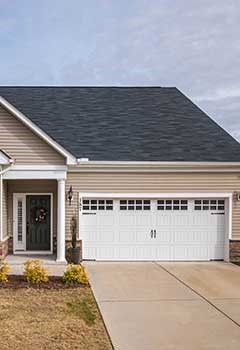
column 227, row 196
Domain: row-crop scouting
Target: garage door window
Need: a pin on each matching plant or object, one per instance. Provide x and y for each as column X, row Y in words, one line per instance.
column 135, row 204
column 97, row 204
column 209, row 204
column 175, row 204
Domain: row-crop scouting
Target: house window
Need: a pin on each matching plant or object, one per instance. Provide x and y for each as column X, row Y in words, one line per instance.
column 19, row 221
column 209, row 204
column 172, row 204
column 98, row 204
column 135, row 204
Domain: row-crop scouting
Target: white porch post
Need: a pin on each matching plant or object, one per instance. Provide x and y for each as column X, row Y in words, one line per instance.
column 61, row 222
column 1, row 210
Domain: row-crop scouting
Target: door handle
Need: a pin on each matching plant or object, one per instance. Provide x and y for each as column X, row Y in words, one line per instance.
column 155, row 233
column 151, row 233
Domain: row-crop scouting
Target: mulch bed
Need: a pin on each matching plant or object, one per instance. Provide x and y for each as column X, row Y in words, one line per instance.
column 16, row 282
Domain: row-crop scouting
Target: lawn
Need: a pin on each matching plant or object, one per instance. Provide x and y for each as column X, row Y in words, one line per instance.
column 51, row 319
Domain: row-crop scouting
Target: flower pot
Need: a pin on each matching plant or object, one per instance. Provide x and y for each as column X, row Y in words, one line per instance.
column 75, row 255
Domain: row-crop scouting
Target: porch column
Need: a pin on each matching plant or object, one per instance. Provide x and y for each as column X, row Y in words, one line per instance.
column 61, row 222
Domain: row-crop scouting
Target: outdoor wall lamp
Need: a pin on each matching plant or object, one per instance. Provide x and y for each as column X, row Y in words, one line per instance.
column 70, row 195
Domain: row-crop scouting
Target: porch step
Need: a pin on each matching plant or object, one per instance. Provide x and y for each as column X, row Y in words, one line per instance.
column 54, row 268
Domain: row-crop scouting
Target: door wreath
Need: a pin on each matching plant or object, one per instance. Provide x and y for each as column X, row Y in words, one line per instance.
column 39, row 214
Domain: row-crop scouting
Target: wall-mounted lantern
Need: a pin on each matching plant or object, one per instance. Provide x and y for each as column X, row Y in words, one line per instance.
column 70, row 195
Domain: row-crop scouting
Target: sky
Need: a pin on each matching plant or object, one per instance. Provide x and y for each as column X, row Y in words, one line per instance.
column 191, row 44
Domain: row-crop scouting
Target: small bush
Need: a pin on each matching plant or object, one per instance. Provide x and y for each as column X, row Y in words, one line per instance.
column 75, row 274
column 4, row 271
column 34, row 272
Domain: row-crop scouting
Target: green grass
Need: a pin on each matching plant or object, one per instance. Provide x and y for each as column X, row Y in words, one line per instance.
column 82, row 309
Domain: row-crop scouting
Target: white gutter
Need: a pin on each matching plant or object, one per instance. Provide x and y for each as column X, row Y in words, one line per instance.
column 157, row 167
column 82, row 161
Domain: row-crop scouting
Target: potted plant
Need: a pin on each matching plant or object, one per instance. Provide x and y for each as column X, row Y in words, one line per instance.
column 75, row 251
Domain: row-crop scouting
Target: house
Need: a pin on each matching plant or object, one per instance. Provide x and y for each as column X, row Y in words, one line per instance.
column 147, row 174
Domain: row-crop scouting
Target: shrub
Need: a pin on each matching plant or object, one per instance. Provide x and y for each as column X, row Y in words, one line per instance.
column 34, row 272
column 4, row 271
column 75, row 274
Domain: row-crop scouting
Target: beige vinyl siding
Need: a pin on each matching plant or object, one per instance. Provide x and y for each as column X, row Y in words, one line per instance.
column 4, row 210
column 31, row 186
column 23, row 145
column 153, row 182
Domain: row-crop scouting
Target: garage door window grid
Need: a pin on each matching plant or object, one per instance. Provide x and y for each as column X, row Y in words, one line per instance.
column 97, row 204
column 172, row 204
column 209, row 204
column 135, row 204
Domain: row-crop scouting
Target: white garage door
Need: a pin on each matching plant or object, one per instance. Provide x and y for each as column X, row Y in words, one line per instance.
column 152, row 229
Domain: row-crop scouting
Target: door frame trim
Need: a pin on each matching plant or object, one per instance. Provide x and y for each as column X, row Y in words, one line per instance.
column 228, row 196
column 24, row 250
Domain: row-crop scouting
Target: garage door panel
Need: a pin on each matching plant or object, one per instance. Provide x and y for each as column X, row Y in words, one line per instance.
column 125, row 235
column 126, row 253
column 144, row 220
column 163, row 235
column 97, row 236
column 127, row 220
column 153, row 229
column 181, row 252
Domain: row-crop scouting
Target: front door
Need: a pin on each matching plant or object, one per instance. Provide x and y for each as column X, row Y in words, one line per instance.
column 38, row 222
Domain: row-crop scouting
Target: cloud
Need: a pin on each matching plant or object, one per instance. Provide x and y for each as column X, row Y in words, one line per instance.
column 191, row 44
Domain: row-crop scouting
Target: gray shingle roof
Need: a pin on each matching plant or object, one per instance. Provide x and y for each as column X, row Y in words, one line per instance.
column 125, row 123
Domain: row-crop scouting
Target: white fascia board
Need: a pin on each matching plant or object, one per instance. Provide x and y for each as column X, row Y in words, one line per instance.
column 4, row 160
column 38, row 131
column 148, row 195
column 35, row 175
column 146, row 167
column 39, row 167
column 89, row 163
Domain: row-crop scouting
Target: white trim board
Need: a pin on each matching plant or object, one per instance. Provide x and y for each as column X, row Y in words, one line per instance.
column 157, row 167
column 23, row 196
column 44, row 136
column 4, row 160
column 35, row 175
column 156, row 195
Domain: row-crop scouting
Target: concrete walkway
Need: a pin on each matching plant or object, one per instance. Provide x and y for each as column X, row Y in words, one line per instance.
column 169, row 306
column 16, row 263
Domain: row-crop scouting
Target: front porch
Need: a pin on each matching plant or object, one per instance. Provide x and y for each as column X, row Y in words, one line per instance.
column 33, row 213
column 16, row 264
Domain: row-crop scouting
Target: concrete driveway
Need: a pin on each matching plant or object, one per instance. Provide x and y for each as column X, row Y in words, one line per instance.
column 170, row 306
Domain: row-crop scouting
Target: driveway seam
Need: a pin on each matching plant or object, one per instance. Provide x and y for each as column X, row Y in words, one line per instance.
column 200, row 295
column 144, row 300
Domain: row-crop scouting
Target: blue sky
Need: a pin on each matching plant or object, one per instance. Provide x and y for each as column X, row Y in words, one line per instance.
column 191, row 44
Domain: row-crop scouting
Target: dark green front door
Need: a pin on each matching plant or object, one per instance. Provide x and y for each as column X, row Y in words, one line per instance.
column 38, row 220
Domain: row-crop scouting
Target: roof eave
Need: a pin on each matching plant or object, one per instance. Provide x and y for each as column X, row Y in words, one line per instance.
column 151, row 166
